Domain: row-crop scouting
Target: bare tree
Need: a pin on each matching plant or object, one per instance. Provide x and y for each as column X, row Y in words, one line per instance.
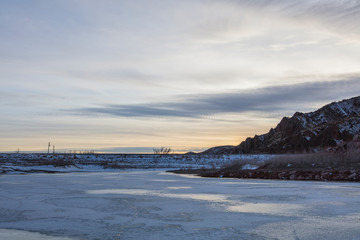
column 162, row 150
column 49, row 147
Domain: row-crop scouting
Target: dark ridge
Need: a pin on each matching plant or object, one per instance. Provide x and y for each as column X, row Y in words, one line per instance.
column 336, row 126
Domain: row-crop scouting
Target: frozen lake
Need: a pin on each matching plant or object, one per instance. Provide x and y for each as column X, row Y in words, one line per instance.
column 149, row 204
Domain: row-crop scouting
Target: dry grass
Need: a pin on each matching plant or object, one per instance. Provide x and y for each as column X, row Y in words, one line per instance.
column 317, row 161
column 239, row 164
column 56, row 162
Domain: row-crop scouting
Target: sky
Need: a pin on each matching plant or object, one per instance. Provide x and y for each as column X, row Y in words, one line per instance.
column 129, row 76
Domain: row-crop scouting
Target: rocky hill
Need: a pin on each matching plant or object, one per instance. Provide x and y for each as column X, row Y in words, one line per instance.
column 332, row 127
column 219, row 150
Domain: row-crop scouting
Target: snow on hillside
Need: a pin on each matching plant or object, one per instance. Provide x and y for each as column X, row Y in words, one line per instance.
column 333, row 112
column 330, row 128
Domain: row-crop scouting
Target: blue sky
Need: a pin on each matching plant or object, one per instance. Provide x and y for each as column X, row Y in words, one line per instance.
column 132, row 75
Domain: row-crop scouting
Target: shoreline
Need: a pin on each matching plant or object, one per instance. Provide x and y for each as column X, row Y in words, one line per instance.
column 296, row 175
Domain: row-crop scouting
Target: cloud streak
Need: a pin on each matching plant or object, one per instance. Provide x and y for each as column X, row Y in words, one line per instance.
column 340, row 16
column 206, row 71
column 274, row 99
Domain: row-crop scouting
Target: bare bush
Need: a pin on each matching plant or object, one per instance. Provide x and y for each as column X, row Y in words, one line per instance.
column 162, row 150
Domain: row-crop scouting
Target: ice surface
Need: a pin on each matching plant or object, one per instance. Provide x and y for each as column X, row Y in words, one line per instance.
column 152, row 204
column 21, row 235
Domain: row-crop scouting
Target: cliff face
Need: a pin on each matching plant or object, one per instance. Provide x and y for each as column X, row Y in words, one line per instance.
column 330, row 126
column 336, row 125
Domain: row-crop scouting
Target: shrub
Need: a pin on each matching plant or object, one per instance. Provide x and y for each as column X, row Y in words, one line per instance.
column 162, row 150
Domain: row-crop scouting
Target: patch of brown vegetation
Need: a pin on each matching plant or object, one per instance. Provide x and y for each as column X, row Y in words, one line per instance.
column 326, row 175
column 325, row 166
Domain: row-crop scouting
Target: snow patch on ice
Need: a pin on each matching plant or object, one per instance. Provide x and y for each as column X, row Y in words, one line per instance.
column 121, row 191
column 189, row 196
column 10, row 234
column 249, row 167
column 177, row 188
column 265, row 208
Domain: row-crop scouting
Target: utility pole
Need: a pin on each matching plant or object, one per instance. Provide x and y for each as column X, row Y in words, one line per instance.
column 49, row 147
column 53, row 149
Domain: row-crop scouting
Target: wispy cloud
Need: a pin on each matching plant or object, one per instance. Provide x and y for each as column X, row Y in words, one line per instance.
column 285, row 98
column 284, row 46
column 132, row 65
column 339, row 16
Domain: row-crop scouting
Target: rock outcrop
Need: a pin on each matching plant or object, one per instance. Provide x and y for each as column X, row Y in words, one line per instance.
column 332, row 127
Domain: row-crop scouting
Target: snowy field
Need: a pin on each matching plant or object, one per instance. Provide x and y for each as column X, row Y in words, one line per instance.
column 153, row 204
column 37, row 162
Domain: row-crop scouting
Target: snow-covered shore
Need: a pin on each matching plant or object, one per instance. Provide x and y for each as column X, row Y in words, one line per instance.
column 51, row 163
